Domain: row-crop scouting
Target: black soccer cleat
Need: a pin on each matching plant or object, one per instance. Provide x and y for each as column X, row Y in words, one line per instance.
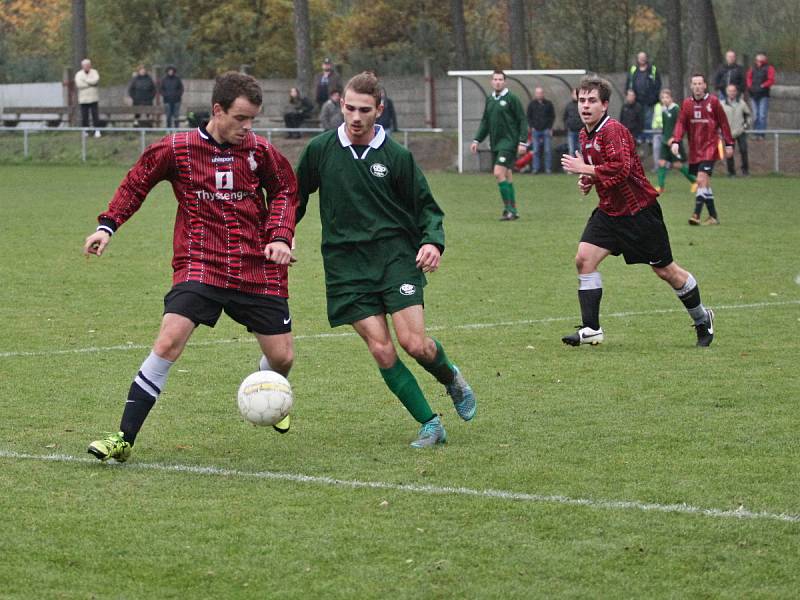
column 705, row 330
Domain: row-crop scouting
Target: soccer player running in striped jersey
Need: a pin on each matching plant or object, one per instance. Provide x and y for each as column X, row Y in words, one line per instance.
column 505, row 123
column 231, row 248
column 627, row 220
column 702, row 118
column 381, row 232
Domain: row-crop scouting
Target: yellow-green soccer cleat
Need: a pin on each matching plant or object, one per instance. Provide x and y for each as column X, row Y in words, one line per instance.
column 283, row 425
column 111, row 446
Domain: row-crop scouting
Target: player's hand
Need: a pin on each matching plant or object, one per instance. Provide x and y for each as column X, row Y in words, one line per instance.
column 522, row 148
column 676, row 149
column 473, row 147
column 278, row 252
column 585, row 184
column 573, row 164
column 428, row 258
column 96, row 243
column 728, row 151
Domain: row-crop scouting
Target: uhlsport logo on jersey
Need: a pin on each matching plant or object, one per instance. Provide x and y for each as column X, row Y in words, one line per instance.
column 408, row 289
column 379, row 170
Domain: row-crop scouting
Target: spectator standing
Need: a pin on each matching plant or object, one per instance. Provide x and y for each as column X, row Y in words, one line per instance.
column 297, row 110
column 172, row 91
column 541, row 116
column 739, row 120
column 632, row 116
column 142, row 89
column 327, row 81
column 572, row 122
column 760, row 78
column 86, row 81
column 388, row 118
column 645, row 80
column 729, row 73
column 330, row 115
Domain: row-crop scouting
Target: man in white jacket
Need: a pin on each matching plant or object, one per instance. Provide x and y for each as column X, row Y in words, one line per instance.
column 86, row 81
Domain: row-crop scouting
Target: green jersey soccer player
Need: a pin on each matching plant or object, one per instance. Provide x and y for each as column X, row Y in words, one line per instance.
column 381, row 231
column 505, row 123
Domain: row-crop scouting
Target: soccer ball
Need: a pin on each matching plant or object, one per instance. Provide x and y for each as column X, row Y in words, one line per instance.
column 264, row 398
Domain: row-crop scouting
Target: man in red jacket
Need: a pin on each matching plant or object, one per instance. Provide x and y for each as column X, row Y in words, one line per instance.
column 759, row 79
column 627, row 220
column 703, row 118
column 231, row 246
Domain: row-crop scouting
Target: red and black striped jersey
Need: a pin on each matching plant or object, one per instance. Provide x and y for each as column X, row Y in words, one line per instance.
column 619, row 177
column 223, row 220
column 703, row 120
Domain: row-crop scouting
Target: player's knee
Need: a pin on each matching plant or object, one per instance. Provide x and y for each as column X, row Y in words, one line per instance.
column 168, row 348
column 282, row 362
column 414, row 346
column 581, row 262
column 383, row 353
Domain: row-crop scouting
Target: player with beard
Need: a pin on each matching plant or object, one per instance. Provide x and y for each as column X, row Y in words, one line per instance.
column 231, row 248
column 381, row 232
column 703, row 118
column 627, row 220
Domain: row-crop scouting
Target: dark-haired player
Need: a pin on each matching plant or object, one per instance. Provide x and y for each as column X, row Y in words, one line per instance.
column 231, row 247
column 381, row 232
column 703, row 118
column 505, row 123
column 627, row 220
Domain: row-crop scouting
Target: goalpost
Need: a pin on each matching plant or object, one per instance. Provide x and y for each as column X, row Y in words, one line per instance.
column 557, row 75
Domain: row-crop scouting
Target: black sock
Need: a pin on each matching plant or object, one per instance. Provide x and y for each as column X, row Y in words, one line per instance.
column 698, row 205
column 710, row 204
column 136, row 410
column 590, row 307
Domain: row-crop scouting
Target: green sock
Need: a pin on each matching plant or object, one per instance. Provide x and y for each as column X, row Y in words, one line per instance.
column 689, row 176
column 441, row 367
column 662, row 176
column 403, row 385
column 512, row 198
column 505, row 193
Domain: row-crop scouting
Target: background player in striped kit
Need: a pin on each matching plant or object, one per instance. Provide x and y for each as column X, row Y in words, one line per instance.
column 702, row 118
column 231, row 248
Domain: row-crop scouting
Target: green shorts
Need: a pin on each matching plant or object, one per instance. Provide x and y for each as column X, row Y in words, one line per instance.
column 504, row 158
column 349, row 307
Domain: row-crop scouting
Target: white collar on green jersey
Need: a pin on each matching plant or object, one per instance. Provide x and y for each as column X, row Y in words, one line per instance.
column 497, row 96
column 377, row 140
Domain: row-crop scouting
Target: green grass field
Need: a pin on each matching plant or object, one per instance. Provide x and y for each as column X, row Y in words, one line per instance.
column 642, row 468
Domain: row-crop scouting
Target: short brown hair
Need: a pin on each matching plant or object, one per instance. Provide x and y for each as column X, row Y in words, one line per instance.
column 231, row 85
column 365, row 83
column 499, row 72
column 593, row 82
column 698, row 75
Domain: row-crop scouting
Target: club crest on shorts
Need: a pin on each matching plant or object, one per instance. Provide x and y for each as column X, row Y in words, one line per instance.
column 379, row 170
column 501, row 159
column 408, row 289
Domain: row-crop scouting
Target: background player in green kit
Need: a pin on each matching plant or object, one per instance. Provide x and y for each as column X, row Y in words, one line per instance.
column 381, row 231
column 669, row 115
column 505, row 123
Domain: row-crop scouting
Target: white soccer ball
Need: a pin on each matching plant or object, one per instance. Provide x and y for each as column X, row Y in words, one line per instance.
column 264, row 398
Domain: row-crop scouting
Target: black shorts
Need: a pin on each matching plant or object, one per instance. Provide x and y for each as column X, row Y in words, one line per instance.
column 266, row 315
column 704, row 166
column 640, row 238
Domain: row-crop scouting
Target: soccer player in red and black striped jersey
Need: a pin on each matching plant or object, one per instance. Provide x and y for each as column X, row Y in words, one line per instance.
column 627, row 220
column 231, row 246
column 703, row 118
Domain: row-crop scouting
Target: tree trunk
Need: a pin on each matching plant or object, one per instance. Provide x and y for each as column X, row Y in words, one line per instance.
column 461, row 58
column 675, row 50
column 79, row 46
column 302, row 36
column 696, row 52
column 519, row 43
column 714, row 45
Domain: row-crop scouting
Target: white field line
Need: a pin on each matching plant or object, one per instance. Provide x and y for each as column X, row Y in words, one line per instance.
column 324, row 336
column 687, row 509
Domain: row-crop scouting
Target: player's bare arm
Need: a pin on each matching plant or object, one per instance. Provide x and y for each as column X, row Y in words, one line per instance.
column 428, row 258
column 96, row 243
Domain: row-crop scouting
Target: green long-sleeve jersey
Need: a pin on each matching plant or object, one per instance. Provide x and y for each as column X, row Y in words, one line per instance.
column 375, row 204
column 669, row 116
column 504, row 121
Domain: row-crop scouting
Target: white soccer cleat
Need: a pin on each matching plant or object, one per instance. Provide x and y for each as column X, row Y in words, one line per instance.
column 584, row 335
